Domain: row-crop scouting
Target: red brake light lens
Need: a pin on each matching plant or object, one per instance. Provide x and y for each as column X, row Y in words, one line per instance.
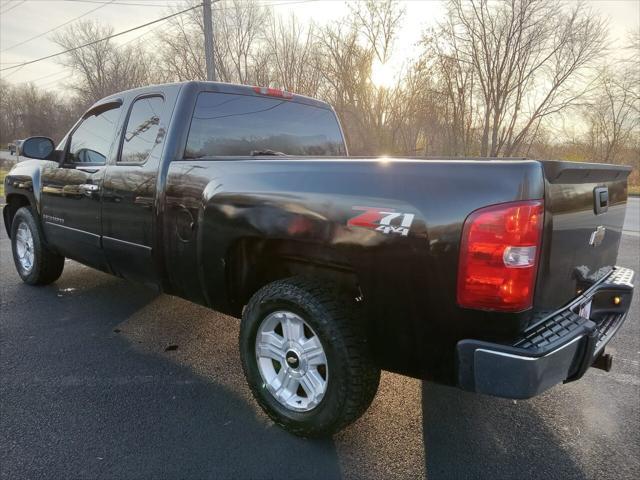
column 499, row 256
column 273, row 92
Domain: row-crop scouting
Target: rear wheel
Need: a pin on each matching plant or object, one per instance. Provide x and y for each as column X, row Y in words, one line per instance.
column 306, row 358
column 35, row 263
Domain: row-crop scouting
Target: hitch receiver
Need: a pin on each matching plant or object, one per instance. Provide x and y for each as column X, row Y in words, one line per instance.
column 603, row 362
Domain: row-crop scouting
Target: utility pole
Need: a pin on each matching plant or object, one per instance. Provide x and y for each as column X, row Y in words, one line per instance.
column 208, row 41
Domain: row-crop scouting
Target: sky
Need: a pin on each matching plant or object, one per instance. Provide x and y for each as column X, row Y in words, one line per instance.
column 22, row 19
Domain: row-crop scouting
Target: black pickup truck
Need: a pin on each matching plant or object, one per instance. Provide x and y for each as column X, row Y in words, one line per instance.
column 498, row 276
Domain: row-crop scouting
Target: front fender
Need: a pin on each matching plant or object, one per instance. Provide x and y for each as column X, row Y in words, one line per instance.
column 23, row 186
column 24, row 179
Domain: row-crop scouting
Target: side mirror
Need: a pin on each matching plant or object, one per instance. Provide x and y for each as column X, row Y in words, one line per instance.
column 36, row 147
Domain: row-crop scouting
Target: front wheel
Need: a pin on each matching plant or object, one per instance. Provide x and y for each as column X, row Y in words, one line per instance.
column 305, row 356
column 35, row 263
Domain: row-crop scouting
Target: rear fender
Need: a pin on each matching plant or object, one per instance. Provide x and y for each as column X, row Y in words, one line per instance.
column 245, row 240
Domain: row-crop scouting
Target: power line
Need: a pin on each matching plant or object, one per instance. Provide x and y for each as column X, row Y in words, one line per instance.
column 57, row 80
column 43, row 77
column 101, row 40
column 122, row 3
column 13, row 73
column 37, row 79
column 103, row 1
column 12, row 7
column 59, row 26
column 19, row 66
column 138, row 36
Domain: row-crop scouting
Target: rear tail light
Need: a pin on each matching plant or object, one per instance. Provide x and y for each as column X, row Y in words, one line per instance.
column 499, row 255
column 273, row 92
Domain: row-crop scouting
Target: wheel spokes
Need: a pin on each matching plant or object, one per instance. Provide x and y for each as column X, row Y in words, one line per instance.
column 313, row 385
column 20, row 236
column 292, row 328
column 313, row 352
column 291, row 360
column 271, row 345
column 288, row 385
column 24, row 246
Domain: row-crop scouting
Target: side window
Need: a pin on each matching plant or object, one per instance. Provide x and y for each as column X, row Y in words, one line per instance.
column 143, row 130
column 91, row 141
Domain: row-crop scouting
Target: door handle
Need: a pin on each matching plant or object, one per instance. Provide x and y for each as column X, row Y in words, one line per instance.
column 89, row 187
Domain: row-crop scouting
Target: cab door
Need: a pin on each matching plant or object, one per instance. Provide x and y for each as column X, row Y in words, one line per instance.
column 128, row 201
column 71, row 191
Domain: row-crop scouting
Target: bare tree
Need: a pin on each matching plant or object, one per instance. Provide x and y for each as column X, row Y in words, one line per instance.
column 631, row 66
column 239, row 27
column 371, row 114
column 26, row 110
column 239, row 32
column 613, row 114
column 455, row 88
column 379, row 23
column 346, row 67
column 294, row 58
column 493, row 78
column 180, row 48
column 529, row 58
column 101, row 68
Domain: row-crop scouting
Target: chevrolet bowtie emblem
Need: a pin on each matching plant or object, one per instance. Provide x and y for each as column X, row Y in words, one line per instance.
column 597, row 236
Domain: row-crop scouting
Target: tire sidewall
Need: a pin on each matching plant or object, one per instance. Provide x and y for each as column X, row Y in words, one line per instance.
column 325, row 413
column 24, row 215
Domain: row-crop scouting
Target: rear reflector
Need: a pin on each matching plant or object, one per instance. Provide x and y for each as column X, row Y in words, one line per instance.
column 273, row 92
column 498, row 256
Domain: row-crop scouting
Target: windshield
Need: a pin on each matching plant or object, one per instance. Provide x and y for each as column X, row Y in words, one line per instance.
column 242, row 125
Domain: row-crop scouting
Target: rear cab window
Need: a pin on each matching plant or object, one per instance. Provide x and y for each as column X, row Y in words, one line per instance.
column 227, row 124
column 143, row 132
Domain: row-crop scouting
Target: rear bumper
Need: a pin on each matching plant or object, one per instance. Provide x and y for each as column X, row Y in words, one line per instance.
column 559, row 348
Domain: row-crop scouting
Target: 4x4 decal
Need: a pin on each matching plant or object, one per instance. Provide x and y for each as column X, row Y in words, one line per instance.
column 381, row 219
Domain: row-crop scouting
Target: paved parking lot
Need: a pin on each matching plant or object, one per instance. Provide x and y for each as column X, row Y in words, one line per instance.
column 100, row 378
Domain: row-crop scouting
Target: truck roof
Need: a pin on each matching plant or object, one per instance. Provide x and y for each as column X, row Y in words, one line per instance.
column 219, row 87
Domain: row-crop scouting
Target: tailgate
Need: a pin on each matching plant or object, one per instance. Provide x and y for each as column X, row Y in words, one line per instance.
column 585, row 206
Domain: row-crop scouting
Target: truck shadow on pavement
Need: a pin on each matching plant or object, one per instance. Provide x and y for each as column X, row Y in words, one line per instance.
column 475, row 436
column 109, row 402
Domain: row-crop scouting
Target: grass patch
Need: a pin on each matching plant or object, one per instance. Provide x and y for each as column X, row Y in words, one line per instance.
column 3, row 173
column 634, row 189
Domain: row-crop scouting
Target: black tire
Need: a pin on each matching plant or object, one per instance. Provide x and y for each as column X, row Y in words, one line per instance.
column 47, row 265
column 353, row 377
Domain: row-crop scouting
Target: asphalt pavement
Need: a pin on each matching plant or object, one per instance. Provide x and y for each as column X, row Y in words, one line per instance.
column 632, row 217
column 100, row 378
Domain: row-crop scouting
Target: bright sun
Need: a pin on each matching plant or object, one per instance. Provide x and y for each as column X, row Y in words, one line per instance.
column 382, row 74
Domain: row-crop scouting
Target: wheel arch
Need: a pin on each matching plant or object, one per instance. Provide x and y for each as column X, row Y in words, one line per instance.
column 15, row 201
column 22, row 189
column 253, row 263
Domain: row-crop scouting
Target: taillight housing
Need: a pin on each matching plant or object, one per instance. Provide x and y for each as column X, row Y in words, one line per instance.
column 499, row 255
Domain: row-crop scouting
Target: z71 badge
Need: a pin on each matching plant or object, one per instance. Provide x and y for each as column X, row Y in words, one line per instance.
column 385, row 220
